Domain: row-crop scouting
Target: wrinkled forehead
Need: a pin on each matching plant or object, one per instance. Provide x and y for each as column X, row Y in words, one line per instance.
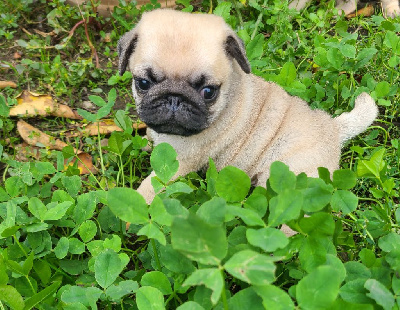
column 181, row 46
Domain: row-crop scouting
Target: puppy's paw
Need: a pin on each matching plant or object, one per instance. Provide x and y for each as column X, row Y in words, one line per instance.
column 346, row 6
column 391, row 8
column 146, row 190
column 148, row 194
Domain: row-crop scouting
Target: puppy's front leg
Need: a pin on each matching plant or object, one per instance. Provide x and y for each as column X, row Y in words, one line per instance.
column 346, row 6
column 391, row 8
column 146, row 189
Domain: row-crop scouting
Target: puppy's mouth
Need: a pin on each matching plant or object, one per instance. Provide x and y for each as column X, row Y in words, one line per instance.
column 174, row 114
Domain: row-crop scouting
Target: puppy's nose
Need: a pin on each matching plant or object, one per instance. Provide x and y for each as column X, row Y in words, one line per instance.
column 174, row 102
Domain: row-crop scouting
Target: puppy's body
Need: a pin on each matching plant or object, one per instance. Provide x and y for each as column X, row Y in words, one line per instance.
column 253, row 136
column 176, row 58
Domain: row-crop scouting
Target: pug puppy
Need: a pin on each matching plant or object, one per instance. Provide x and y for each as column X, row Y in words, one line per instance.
column 193, row 88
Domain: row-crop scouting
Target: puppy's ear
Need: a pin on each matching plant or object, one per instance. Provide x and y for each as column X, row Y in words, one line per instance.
column 234, row 47
column 126, row 46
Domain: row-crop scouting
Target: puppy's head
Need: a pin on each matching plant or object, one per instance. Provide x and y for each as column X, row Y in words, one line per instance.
column 182, row 66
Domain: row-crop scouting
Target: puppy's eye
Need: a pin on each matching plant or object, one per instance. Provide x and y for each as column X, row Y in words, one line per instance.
column 143, row 84
column 209, row 92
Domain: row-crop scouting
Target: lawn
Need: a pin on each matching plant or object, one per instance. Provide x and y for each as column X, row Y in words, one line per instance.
column 72, row 153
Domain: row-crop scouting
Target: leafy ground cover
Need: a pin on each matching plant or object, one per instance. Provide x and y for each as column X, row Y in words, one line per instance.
column 208, row 240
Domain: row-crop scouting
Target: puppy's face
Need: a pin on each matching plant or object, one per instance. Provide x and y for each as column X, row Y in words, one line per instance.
column 180, row 106
column 182, row 66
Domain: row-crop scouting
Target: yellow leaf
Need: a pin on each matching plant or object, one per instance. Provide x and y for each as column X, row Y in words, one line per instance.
column 31, row 104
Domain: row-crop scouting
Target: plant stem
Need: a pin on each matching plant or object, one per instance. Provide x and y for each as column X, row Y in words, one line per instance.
column 99, row 226
column 130, row 173
column 173, row 295
column 30, row 284
column 382, row 208
column 122, row 232
column 99, row 142
column 238, row 14
column 258, row 21
column 5, row 172
column 153, row 244
column 56, row 269
column 91, row 173
column 224, row 300
column 122, row 170
column 103, row 170
column 366, row 230
column 384, row 130
column 351, row 160
column 92, row 48
column 119, row 172
column 1, row 306
column 169, row 299
column 20, row 246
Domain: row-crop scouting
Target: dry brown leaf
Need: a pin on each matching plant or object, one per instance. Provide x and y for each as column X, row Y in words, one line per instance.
column 4, row 84
column 31, row 104
column 17, row 55
column 35, row 137
column 85, row 164
column 367, row 11
column 25, row 152
column 105, row 127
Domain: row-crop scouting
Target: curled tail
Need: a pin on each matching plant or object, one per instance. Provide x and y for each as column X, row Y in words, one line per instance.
column 357, row 120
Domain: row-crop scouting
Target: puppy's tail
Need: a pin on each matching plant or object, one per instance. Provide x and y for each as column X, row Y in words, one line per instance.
column 360, row 118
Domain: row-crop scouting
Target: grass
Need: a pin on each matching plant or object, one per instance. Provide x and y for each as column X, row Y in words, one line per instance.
column 63, row 242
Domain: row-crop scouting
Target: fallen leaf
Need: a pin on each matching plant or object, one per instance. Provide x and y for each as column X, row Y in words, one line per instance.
column 104, row 142
column 17, row 55
column 104, row 127
column 24, row 152
column 4, row 84
column 31, row 104
column 35, row 137
column 367, row 11
column 27, row 150
column 85, row 163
